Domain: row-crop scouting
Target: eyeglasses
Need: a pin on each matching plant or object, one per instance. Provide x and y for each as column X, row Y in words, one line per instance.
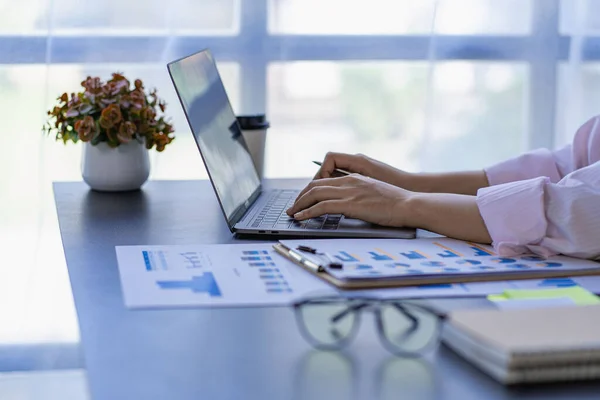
column 404, row 328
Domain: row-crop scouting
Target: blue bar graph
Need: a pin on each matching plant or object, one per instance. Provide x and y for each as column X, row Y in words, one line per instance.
column 256, row 258
column 271, row 277
column 518, row 266
column 447, row 254
column 279, row 290
column 261, row 264
column 204, row 283
column 147, row 261
column 397, row 265
column 163, row 260
column 380, row 257
column 276, row 283
column 268, row 270
column 532, row 258
column 345, row 257
column 557, row 282
column 413, row 255
column 480, row 251
column 433, row 264
column 503, row 260
column 470, row 262
column 549, row 264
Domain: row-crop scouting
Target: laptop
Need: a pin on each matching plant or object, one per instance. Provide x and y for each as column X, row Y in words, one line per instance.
column 248, row 208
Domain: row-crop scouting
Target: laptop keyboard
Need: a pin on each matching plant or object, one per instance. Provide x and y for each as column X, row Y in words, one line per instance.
column 273, row 215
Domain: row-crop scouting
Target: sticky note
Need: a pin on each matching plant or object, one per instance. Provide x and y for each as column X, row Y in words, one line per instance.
column 577, row 294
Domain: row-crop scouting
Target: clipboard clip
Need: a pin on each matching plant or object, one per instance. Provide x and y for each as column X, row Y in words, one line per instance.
column 297, row 256
column 331, row 262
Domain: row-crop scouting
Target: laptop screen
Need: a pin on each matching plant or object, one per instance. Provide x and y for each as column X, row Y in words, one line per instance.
column 216, row 131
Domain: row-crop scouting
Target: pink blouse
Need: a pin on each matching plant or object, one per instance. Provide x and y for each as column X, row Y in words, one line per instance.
column 547, row 202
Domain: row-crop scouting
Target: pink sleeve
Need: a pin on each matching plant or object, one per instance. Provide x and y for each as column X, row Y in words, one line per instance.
column 584, row 151
column 545, row 218
column 547, row 202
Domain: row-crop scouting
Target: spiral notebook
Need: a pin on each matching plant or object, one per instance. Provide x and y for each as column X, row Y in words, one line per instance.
column 380, row 263
column 529, row 345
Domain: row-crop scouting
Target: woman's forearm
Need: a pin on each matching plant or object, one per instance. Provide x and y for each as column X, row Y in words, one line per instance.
column 451, row 215
column 467, row 182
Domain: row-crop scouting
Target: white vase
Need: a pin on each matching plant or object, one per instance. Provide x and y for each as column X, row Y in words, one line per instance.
column 122, row 168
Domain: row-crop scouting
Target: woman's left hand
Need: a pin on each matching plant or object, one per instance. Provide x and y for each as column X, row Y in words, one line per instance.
column 354, row 196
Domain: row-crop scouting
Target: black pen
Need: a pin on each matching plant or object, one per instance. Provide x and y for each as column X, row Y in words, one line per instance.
column 338, row 170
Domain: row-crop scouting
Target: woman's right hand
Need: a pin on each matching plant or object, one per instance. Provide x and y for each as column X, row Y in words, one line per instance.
column 363, row 165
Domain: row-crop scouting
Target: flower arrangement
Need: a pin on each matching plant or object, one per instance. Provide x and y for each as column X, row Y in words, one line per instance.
column 111, row 112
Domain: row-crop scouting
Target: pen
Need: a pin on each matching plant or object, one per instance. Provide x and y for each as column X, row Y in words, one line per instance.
column 284, row 251
column 338, row 170
column 332, row 263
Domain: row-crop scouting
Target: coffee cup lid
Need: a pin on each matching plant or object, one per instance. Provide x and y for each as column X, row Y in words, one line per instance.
column 253, row 122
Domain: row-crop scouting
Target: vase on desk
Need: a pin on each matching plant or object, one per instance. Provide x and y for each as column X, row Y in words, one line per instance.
column 124, row 168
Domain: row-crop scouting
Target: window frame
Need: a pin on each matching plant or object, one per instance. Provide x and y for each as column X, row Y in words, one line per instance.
column 253, row 47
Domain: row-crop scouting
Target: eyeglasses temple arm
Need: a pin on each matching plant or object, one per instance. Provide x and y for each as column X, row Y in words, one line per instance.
column 348, row 310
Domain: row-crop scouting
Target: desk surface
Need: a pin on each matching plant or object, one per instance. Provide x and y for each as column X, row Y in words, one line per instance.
column 218, row 354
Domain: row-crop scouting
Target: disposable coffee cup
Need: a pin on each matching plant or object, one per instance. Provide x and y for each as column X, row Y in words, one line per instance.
column 254, row 129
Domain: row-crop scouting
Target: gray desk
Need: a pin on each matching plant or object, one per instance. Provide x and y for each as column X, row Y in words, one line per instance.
column 226, row 353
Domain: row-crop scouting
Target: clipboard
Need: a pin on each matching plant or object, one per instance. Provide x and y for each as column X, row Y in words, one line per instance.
column 317, row 264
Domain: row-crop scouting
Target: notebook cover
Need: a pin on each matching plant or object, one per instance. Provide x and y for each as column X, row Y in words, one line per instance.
column 486, row 359
column 534, row 337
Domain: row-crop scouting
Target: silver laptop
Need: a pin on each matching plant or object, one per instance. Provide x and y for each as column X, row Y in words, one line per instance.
column 248, row 209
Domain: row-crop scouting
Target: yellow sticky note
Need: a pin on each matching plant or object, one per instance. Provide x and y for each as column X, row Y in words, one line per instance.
column 579, row 295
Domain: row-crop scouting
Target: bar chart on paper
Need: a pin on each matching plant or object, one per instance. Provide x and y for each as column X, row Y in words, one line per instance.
column 387, row 258
column 390, row 257
column 210, row 275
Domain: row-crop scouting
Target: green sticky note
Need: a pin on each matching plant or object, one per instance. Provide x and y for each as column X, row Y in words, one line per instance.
column 579, row 295
column 497, row 297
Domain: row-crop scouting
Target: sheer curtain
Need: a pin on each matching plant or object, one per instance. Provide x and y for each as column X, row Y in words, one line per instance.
column 423, row 85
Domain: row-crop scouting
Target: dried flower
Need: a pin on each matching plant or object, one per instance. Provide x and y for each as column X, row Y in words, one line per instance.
column 126, row 131
column 161, row 141
column 137, row 98
column 85, row 128
column 110, row 112
column 111, row 116
column 148, row 114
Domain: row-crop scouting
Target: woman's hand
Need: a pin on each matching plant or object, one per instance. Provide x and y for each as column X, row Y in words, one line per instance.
column 354, row 196
column 363, row 165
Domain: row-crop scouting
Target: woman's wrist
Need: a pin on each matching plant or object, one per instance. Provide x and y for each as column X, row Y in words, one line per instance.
column 466, row 182
column 406, row 180
column 412, row 208
column 452, row 215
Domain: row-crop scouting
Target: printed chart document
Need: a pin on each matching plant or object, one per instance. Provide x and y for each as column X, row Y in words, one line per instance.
column 353, row 264
column 210, row 275
column 234, row 275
